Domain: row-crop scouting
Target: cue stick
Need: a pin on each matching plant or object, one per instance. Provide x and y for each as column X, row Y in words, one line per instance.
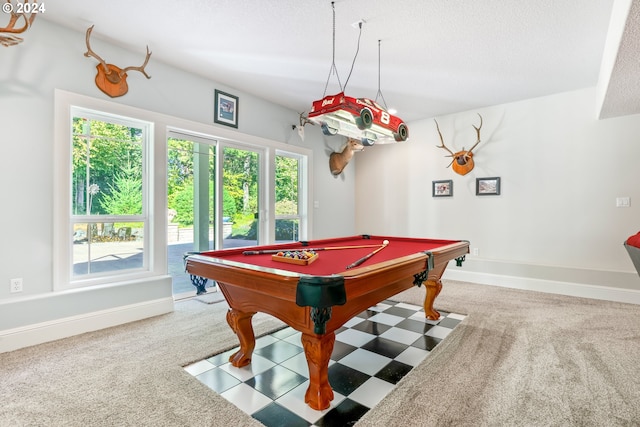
column 328, row 248
column 366, row 257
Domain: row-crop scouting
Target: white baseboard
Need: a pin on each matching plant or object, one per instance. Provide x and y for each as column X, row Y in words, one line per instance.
column 13, row 339
column 606, row 293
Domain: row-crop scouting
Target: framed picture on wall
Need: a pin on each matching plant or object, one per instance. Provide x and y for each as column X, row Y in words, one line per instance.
column 442, row 188
column 226, row 109
column 488, row 186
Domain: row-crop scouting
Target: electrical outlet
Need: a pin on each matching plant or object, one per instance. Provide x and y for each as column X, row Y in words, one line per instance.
column 16, row 285
column 475, row 251
column 623, row 202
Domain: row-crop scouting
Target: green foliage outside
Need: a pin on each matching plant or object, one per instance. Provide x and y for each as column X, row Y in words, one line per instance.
column 180, row 182
column 107, row 168
column 228, row 205
column 124, row 196
column 108, row 178
column 182, row 203
column 286, row 185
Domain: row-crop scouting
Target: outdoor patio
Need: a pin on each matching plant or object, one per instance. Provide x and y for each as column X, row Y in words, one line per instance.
column 120, row 255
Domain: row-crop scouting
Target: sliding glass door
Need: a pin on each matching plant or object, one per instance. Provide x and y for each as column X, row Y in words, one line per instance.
column 216, row 193
column 290, row 212
column 241, row 197
column 190, row 200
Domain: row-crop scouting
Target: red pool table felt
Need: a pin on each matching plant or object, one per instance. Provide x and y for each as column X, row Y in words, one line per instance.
column 333, row 261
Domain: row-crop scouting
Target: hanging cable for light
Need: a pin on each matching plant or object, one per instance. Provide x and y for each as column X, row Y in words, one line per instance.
column 354, row 56
column 333, row 62
column 333, row 68
column 379, row 94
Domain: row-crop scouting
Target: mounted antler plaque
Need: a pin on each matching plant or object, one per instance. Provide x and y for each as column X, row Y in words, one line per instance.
column 24, row 13
column 462, row 162
column 111, row 79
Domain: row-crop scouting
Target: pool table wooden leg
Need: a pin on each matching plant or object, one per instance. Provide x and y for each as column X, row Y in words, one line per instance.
column 318, row 350
column 240, row 323
column 433, row 288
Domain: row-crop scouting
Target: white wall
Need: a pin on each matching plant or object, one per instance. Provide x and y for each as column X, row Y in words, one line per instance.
column 51, row 57
column 556, row 219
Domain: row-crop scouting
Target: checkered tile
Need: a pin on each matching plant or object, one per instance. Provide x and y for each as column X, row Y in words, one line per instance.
column 372, row 352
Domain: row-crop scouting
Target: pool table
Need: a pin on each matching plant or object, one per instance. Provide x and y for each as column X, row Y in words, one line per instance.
column 319, row 297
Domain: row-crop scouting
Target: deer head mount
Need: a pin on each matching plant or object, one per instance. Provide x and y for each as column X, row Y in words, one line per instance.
column 111, row 79
column 23, row 11
column 339, row 160
column 462, row 162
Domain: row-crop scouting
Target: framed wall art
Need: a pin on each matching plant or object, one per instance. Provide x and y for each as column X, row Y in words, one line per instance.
column 226, row 109
column 442, row 188
column 488, row 186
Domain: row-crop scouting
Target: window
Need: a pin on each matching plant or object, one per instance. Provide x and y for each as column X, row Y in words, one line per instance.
column 289, row 209
column 242, row 194
column 125, row 178
column 108, row 212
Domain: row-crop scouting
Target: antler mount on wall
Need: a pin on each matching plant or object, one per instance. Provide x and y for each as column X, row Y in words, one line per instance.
column 462, row 162
column 22, row 12
column 111, row 79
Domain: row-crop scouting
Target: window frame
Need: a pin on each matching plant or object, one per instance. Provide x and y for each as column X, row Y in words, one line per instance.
column 67, row 107
column 90, row 219
column 264, row 186
column 302, row 215
column 75, row 281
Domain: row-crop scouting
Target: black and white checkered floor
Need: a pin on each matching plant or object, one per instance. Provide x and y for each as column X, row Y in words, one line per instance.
column 372, row 352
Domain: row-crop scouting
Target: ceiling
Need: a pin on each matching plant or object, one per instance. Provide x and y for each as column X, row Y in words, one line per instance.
column 436, row 56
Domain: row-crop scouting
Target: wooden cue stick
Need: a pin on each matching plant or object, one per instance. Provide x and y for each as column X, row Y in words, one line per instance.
column 366, row 257
column 328, row 248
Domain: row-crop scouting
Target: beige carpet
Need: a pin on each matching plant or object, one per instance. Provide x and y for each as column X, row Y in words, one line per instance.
column 129, row 375
column 519, row 358
column 522, row 358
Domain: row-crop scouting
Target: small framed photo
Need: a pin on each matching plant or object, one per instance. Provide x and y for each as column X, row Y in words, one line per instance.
column 488, row 186
column 226, row 109
column 443, row 188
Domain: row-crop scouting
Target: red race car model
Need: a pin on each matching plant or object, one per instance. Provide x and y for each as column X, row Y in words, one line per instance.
column 358, row 118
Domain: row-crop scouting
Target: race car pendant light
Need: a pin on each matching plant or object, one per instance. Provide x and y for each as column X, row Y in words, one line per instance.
column 359, row 119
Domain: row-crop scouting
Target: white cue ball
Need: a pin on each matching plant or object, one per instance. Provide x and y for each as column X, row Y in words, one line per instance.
column 385, row 242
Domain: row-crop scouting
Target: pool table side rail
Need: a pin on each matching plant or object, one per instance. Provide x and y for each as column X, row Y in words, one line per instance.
column 450, row 251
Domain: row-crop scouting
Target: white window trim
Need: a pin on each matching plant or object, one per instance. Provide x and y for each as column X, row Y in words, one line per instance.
column 303, row 201
column 144, row 217
column 63, row 217
column 263, row 180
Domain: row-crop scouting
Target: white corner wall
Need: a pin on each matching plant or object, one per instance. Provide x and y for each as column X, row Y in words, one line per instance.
column 554, row 227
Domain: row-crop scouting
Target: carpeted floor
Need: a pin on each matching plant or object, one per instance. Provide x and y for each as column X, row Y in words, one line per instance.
column 519, row 358
column 129, row 375
column 523, row 358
